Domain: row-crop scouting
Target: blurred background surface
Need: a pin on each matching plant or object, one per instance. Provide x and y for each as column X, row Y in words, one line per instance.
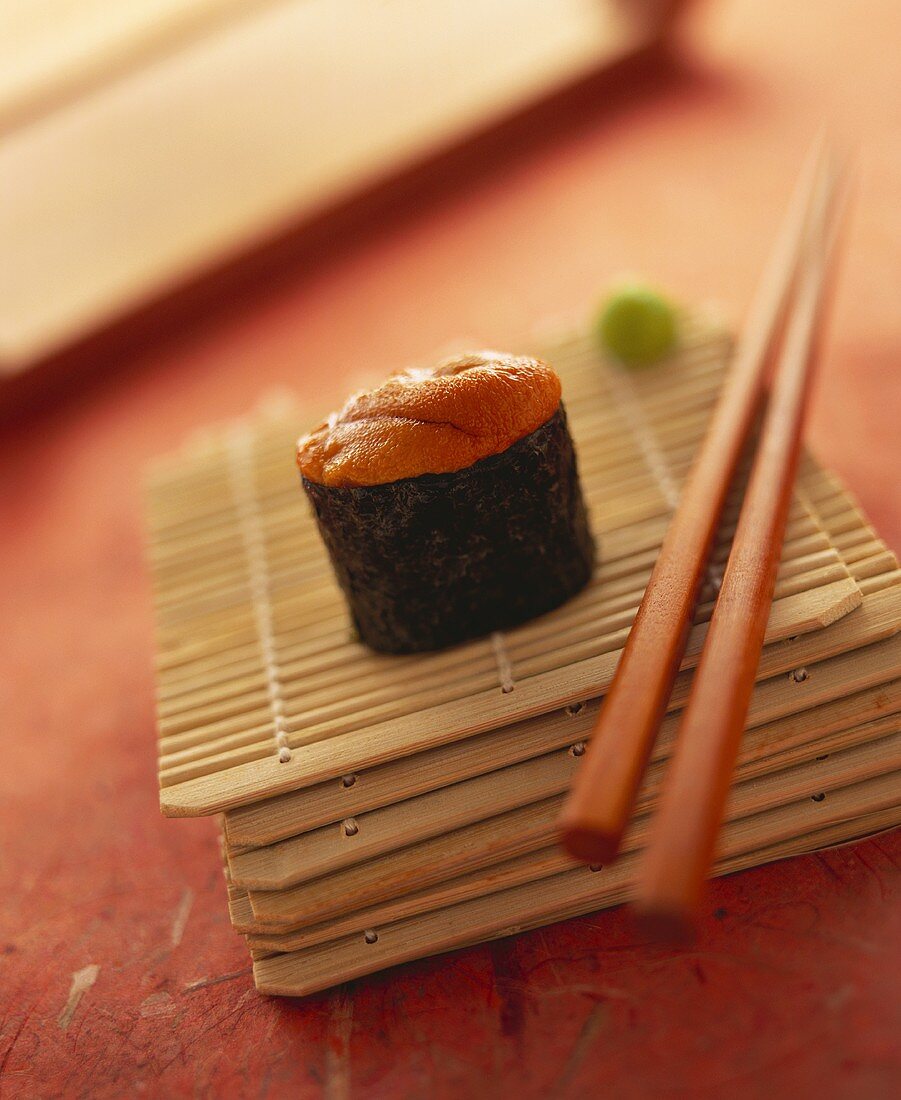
column 235, row 193
column 148, row 144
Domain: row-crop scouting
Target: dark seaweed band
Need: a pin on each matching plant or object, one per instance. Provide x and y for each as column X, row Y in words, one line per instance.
column 429, row 561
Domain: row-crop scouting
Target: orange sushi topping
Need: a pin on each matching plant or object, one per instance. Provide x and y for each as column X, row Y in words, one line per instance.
column 431, row 421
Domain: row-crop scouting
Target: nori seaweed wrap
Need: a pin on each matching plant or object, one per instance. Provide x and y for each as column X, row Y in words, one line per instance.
column 449, row 502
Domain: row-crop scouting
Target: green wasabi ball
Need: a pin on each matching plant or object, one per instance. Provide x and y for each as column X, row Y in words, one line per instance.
column 637, row 325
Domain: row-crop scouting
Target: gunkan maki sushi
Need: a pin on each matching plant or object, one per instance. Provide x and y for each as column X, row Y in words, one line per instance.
column 449, row 501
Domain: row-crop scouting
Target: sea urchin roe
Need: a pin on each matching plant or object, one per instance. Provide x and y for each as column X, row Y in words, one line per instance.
column 432, row 421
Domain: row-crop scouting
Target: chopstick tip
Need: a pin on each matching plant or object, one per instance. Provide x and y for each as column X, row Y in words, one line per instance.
column 588, row 844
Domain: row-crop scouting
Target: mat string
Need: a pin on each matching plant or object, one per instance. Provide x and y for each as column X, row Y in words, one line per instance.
column 623, row 390
column 240, row 453
column 504, row 665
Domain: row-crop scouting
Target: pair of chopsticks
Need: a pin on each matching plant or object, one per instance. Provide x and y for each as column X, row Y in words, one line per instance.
column 790, row 303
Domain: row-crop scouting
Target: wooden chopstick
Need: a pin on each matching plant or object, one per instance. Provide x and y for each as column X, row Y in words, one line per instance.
column 606, row 784
column 684, row 831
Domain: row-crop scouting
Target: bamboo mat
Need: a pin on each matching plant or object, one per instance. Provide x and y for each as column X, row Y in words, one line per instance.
column 434, row 808
column 255, row 650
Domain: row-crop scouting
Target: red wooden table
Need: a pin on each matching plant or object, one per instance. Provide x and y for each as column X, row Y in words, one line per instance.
column 677, row 170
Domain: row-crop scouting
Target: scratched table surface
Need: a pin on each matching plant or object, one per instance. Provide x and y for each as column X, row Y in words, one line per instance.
column 120, row 974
